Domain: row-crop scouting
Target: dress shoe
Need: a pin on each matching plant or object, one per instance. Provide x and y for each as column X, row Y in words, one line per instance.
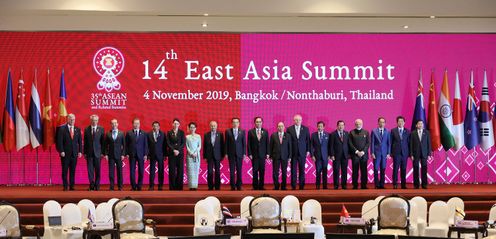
column 395, row 187
column 344, row 187
column 355, row 187
column 317, row 187
column 160, row 188
column 416, row 187
column 404, row 187
column 111, row 188
column 150, row 188
column 65, row 188
column 364, row 187
column 71, row 189
column 276, row 188
column 284, row 189
column 120, row 188
column 325, row 187
column 233, row 189
column 262, row 189
column 239, row 188
column 336, row 187
column 424, row 187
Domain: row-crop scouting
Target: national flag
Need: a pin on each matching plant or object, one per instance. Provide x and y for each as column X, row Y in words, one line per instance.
column 62, row 118
column 48, row 129
column 458, row 129
column 485, row 118
column 433, row 116
column 226, row 213
column 344, row 213
column 35, row 125
column 470, row 124
column 22, row 131
column 419, row 112
column 8, row 126
column 446, row 115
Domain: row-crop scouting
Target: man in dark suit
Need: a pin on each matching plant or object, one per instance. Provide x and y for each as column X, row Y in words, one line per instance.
column 114, row 150
column 236, row 152
column 300, row 139
column 156, row 147
column 380, row 148
column 176, row 140
column 280, row 153
column 359, row 143
column 340, row 153
column 320, row 154
column 213, row 152
column 69, row 145
column 93, row 143
column 258, row 152
column 420, row 150
column 137, row 151
column 400, row 151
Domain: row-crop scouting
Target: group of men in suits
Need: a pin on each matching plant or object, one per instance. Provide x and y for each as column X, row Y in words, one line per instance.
column 292, row 145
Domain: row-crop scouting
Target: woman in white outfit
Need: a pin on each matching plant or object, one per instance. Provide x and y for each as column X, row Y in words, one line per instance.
column 193, row 146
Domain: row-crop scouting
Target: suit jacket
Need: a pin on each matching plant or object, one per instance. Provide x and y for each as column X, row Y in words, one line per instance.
column 213, row 152
column 359, row 140
column 280, row 151
column 400, row 145
column 175, row 142
column 258, row 149
column 115, row 148
column 302, row 145
column 157, row 148
column 93, row 143
column 70, row 146
column 420, row 148
column 136, row 145
column 337, row 148
column 235, row 148
column 320, row 150
column 380, row 147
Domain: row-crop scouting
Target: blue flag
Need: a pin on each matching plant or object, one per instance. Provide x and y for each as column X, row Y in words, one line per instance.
column 470, row 124
column 419, row 112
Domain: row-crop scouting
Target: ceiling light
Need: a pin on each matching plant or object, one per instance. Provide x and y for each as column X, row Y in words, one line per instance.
column 432, row 17
column 204, row 24
column 205, row 14
column 405, row 26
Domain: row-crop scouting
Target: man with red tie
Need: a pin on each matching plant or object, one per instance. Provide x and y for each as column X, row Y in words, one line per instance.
column 280, row 153
column 69, row 145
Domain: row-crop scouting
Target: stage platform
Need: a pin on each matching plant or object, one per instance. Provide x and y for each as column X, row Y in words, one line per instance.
column 173, row 210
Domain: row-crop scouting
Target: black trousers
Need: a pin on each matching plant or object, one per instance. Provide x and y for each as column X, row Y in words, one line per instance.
column 340, row 164
column 258, row 169
column 279, row 165
column 298, row 167
column 359, row 166
column 176, row 172
column 235, row 165
column 321, row 167
column 68, row 166
column 93, row 166
column 115, row 164
column 154, row 162
column 416, row 163
column 213, row 165
column 133, row 161
column 399, row 163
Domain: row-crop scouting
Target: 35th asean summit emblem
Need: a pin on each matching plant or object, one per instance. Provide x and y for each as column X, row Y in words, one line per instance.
column 108, row 63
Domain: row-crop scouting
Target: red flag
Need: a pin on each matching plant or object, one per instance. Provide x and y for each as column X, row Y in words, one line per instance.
column 8, row 127
column 21, row 114
column 48, row 130
column 433, row 117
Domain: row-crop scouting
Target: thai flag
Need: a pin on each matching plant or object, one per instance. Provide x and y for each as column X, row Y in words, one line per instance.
column 8, row 127
column 35, row 125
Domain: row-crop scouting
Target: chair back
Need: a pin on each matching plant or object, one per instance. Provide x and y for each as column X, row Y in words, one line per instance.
column 369, row 210
column 51, row 208
column 9, row 219
column 204, row 214
column 265, row 212
column 245, row 206
column 453, row 204
column 394, row 213
column 492, row 213
column 215, row 204
column 71, row 215
column 103, row 212
column 129, row 215
column 312, row 208
column 290, row 208
column 438, row 213
column 413, row 213
column 421, row 204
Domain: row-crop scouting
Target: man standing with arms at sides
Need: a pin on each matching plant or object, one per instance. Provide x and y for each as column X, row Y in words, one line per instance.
column 69, row 146
column 359, row 147
column 400, row 150
column 258, row 151
column 381, row 150
column 213, row 152
column 176, row 140
column 320, row 154
column 420, row 150
column 93, row 142
column 280, row 153
column 114, row 150
column 137, row 151
column 300, row 139
column 156, row 147
column 340, row 153
column 236, row 152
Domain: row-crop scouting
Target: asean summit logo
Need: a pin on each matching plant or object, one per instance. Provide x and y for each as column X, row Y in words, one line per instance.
column 108, row 63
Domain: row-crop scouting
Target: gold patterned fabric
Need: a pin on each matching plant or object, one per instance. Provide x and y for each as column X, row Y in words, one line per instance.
column 265, row 212
column 393, row 212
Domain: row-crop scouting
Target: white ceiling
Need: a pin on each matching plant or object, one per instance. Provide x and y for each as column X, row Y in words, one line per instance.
column 250, row 16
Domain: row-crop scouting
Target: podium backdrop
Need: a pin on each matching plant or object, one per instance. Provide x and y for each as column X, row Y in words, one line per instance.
column 201, row 77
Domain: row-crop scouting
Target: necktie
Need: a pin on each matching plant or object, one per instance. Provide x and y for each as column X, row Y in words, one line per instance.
column 114, row 134
column 259, row 135
column 298, row 132
column 136, row 132
column 71, row 130
column 320, row 137
column 381, row 133
column 93, row 132
column 212, row 138
column 235, row 134
column 341, row 136
column 420, row 135
column 280, row 138
column 155, row 136
column 401, row 134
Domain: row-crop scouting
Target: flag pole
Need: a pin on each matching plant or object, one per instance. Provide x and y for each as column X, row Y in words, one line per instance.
column 475, row 169
column 487, row 168
column 50, row 157
column 23, row 167
column 37, row 169
column 10, row 170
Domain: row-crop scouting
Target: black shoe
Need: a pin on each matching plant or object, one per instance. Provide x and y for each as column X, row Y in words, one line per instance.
column 344, row 187
column 111, row 188
column 325, row 187
column 336, row 187
column 382, row 187
column 293, row 188
column 150, row 188
column 317, row 187
column 276, row 188
column 65, row 188
column 97, row 188
column 301, row 188
column 364, row 187
column 239, row 188
column 424, row 187
column 233, row 189
column 416, row 187
column 395, row 187
column 120, row 188
column 210, row 189
column 284, row 189
column 376, row 187
column 262, row 189
column 160, row 188
column 355, row 187
column 403, row 187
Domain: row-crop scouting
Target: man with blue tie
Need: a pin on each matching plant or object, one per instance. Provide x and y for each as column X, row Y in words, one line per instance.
column 114, row 149
column 400, row 151
column 236, row 151
column 380, row 145
column 137, row 151
column 320, row 154
column 213, row 152
column 300, row 140
column 339, row 152
column 157, row 146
